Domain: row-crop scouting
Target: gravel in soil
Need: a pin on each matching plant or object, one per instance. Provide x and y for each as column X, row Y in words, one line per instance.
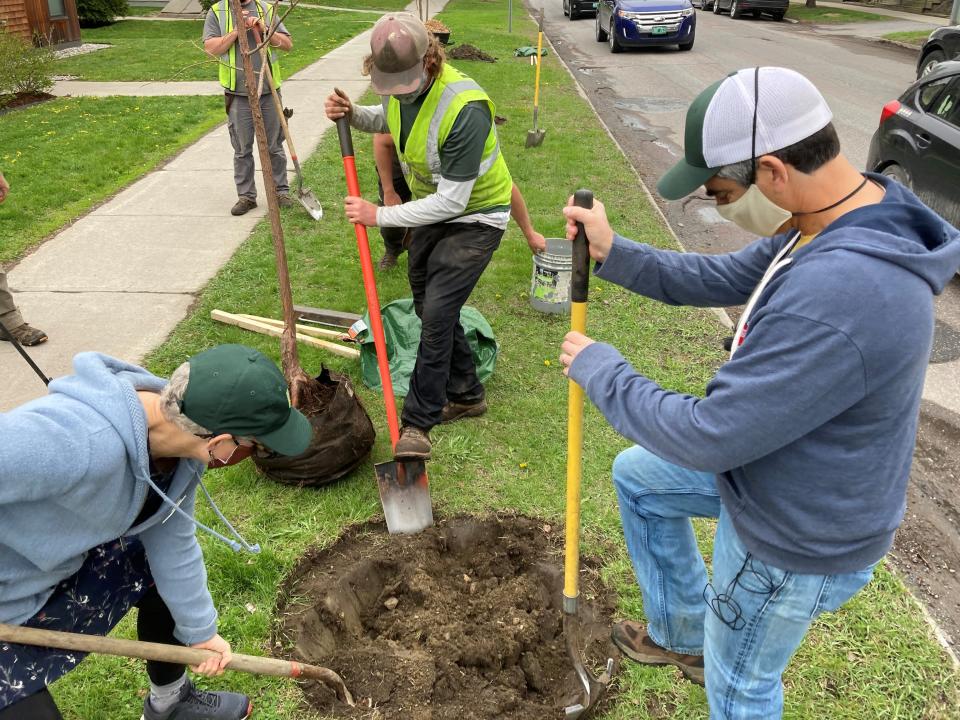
column 458, row 622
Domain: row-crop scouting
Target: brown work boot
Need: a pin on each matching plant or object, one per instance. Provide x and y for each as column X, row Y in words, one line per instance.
column 243, row 206
column 26, row 335
column 454, row 411
column 389, row 260
column 414, row 444
column 284, row 200
column 633, row 640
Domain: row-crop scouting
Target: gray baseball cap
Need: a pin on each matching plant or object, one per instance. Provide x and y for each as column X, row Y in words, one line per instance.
column 398, row 44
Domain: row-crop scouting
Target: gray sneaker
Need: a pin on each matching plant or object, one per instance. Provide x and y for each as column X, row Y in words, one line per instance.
column 284, row 200
column 197, row 704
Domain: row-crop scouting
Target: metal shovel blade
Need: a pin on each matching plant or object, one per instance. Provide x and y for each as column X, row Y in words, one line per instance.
column 405, row 496
column 593, row 689
column 310, row 203
column 535, row 137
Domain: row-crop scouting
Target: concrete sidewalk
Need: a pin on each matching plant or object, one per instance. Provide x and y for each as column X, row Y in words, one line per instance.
column 121, row 278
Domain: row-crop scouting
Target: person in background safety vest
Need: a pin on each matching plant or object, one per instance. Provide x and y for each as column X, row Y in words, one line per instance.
column 220, row 41
column 442, row 126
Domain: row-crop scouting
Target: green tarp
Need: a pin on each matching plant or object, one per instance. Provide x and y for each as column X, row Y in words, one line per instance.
column 401, row 328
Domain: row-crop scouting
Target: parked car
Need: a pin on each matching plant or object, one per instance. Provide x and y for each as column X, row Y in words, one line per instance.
column 943, row 44
column 575, row 9
column 640, row 23
column 740, row 8
column 918, row 141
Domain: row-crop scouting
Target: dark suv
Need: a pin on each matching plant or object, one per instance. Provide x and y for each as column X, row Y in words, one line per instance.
column 918, row 141
column 943, row 44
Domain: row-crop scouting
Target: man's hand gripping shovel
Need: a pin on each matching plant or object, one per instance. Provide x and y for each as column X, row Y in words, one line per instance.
column 593, row 688
column 404, row 488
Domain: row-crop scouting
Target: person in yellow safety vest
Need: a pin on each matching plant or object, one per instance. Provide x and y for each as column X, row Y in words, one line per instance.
column 220, row 41
column 393, row 190
column 442, row 124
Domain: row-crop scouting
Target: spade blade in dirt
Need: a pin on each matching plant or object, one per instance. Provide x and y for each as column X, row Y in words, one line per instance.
column 535, row 137
column 405, row 496
column 310, row 203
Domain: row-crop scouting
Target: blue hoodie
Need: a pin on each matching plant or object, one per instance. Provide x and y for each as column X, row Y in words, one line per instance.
column 810, row 426
column 74, row 473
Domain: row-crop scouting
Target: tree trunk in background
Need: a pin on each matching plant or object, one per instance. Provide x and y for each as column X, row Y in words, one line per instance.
column 811, row 3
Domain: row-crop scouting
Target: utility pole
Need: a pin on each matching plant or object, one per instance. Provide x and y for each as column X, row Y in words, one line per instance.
column 955, row 13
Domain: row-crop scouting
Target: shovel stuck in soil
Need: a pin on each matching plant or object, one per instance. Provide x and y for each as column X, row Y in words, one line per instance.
column 172, row 654
column 593, row 688
column 404, row 488
column 535, row 136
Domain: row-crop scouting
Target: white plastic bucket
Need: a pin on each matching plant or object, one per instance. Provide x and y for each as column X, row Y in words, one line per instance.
column 550, row 284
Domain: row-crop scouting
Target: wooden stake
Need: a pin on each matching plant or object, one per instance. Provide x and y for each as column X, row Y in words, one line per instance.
column 289, row 357
column 264, row 328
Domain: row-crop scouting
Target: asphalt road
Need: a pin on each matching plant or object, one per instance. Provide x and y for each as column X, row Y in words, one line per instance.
column 642, row 95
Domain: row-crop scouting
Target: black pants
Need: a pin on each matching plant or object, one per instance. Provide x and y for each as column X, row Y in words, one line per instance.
column 446, row 260
column 393, row 236
column 154, row 624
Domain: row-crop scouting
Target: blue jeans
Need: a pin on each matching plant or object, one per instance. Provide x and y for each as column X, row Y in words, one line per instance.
column 749, row 621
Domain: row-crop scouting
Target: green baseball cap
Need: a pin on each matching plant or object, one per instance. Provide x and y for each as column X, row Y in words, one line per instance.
column 238, row 390
column 749, row 113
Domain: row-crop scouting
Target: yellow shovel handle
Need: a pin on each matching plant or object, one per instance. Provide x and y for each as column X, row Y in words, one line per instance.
column 578, row 322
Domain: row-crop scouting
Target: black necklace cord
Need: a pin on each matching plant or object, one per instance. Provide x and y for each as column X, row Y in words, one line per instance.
column 839, row 202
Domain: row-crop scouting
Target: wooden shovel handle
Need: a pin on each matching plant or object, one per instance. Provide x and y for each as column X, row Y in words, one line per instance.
column 172, row 654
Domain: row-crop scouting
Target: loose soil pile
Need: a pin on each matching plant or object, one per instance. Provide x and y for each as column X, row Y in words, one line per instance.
column 461, row 621
column 469, row 52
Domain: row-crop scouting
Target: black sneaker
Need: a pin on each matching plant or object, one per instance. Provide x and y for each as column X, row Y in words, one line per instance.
column 414, row 444
column 243, row 206
column 388, row 261
column 454, row 411
column 202, row 705
column 284, row 200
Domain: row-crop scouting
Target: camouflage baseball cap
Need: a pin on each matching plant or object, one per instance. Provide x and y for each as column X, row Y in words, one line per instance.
column 398, row 44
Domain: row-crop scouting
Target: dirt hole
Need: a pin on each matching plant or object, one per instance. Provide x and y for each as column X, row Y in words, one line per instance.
column 462, row 621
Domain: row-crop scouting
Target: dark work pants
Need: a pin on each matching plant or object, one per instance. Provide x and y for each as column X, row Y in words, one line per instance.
column 114, row 577
column 243, row 139
column 393, row 236
column 445, row 262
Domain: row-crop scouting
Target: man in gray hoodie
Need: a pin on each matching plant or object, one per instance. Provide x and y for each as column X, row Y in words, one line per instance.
column 97, row 490
column 803, row 441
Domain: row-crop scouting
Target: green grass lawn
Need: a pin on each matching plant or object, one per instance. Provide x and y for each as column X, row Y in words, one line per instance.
column 876, row 658
column 155, row 50
column 829, row 15
column 142, row 11
column 910, row 37
column 64, row 156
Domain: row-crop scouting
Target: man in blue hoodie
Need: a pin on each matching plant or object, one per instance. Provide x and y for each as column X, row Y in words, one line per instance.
column 803, row 441
column 97, row 488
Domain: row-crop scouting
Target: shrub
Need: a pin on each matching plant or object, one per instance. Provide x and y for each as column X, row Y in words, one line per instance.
column 23, row 68
column 94, row 13
column 207, row 4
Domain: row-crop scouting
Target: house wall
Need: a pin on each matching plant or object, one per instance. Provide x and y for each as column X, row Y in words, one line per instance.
column 31, row 20
column 14, row 20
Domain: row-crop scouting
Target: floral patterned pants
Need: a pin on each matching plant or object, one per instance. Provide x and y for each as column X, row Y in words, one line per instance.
column 114, row 578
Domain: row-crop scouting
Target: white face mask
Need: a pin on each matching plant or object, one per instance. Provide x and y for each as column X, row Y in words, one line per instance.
column 408, row 98
column 755, row 213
